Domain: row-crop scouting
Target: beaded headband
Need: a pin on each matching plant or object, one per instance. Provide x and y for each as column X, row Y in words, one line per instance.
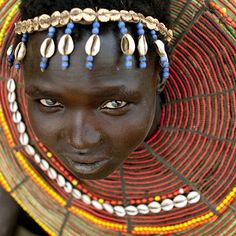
column 92, row 47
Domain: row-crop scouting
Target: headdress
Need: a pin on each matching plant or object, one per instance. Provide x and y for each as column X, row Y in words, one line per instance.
column 186, row 172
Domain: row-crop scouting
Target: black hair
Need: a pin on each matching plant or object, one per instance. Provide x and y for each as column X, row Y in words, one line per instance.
column 156, row 8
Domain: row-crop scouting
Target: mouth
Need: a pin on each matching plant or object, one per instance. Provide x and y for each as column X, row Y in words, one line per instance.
column 87, row 168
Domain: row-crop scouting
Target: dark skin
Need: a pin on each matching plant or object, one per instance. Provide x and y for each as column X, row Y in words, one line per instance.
column 91, row 119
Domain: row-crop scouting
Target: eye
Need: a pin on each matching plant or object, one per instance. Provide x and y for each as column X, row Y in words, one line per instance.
column 49, row 103
column 115, row 104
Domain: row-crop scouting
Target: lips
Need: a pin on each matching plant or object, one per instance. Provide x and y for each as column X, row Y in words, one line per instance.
column 87, row 167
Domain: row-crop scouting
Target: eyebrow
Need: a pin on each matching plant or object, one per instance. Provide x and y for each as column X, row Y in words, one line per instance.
column 37, row 91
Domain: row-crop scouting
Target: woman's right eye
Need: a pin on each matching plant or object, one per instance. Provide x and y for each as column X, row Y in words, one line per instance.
column 50, row 103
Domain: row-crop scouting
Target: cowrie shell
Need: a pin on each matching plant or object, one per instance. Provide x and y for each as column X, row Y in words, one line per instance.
column 142, row 45
column 20, row 51
column 180, row 201
column 44, row 165
column 125, row 15
column 97, row 205
column 52, row 173
column 37, row 158
column 160, row 46
column 76, row 15
column 131, row 210
column 86, row 199
column 108, row 208
column 11, row 97
column 154, row 207
column 10, row 50
column 103, row 15
column 193, row 197
column 68, row 187
column 114, row 15
column 89, row 15
column 55, row 18
column 17, row 117
column 36, row 23
column 150, row 22
column 76, row 194
column 127, row 45
column 93, row 45
column 47, row 48
column 61, row 181
column 143, row 209
column 29, row 26
column 24, row 139
column 167, row 205
column 120, row 211
column 30, row 150
column 21, row 127
column 11, row 85
column 44, row 21
column 66, row 45
column 65, row 18
column 13, row 107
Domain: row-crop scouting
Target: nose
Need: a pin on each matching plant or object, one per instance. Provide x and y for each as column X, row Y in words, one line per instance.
column 83, row 133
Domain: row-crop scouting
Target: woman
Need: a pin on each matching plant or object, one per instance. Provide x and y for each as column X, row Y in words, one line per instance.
column 103, row 156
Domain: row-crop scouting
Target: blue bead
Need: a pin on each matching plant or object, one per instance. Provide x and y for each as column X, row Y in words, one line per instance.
column 95, row 30
column 163, row 59
column 141, row 31
column 121, row 24
column 89, row 58
column 129, row 58
column 52, row 29
column 44, row 59
column 143, row 65
column 139, row 25
column 142, row 59
column 166, row 69
column 65, row 65
column 128, row 64
column 25, row 35
column 43, row 65
column 89, row 65
column 124, row 30
column 96, row 24
column 71, row 25
column 154, row 37
column 65, row 58
column 17, row 66
column 11, row 57
column 153, row 32
column 68, row 31
column 51, row 35
column 166, row 74
column 165, row 64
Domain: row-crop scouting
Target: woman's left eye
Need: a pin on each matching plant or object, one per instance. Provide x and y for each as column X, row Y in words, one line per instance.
column 49, row 103
column 115, row 104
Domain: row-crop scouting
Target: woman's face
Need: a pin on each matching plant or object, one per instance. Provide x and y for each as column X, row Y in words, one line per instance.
column 91, row 119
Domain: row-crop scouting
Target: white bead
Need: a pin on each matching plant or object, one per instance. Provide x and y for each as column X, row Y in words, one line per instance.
column 11, row 97
column 180, row 201
column 181, row 191
column 61, row 181
column 143, row 209
column 11, row 85
column 24, row 139
column 120, row 211
column 108, row 208
column 167, row 205
column 13, row 107
column 131, row 210
column 68, row 187
column 76, row 193
column 44, row 165
column 37, row 158
column 52, row 173
column 21, row 127
column 86, row 199
column 97, row 205
column 193, row 197
column 30, row 150
column 16, row 117
column 154, row 207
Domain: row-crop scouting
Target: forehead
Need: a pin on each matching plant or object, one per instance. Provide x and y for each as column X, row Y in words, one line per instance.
column 108, row 64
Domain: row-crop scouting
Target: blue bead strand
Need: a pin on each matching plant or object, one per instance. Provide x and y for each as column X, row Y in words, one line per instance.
column 142, row 59
column 24, row 39
column 89, row 58
column 44, row 60
column 128, row 58
column 65, row 64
